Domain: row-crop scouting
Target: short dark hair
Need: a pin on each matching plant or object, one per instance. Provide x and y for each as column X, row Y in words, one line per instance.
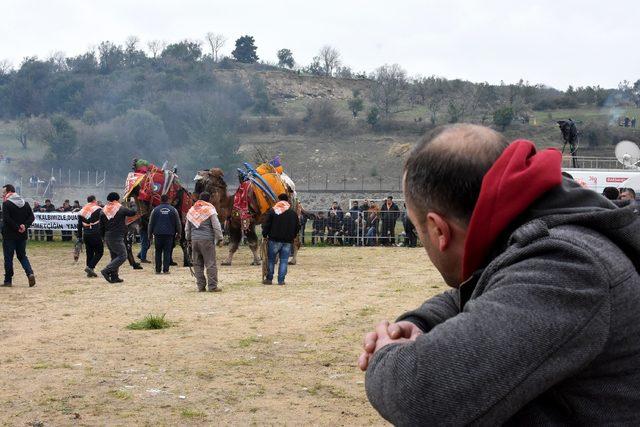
column 567, row 175
column 113, row 196
column 389, row 197
column 10, row 188
column 164, row 198
column 445, row 170
column 629, row 190
column 611, row 193
column 283, row 197
column 204, row 196
column 91, row 198
column 47, row 201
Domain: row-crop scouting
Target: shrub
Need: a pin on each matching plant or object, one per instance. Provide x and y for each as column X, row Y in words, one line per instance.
column 151, row 321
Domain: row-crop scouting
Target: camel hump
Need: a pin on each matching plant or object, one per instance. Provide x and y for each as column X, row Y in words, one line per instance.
column 216, row 172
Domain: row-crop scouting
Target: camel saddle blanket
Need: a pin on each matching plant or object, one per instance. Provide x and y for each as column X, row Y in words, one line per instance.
column 241, row 204
column 277, row 185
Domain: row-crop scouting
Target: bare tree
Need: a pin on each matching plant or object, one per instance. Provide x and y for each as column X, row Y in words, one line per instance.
column 59, row 61
column 216, row 42
column 329, row 59
column 390, row 82
column 5, row 67
column 156, row 47
column 131, row 44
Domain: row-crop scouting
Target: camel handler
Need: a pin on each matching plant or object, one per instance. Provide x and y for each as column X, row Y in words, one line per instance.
column 541, row 325
column 281, row 228
column 203, row 231
column 114, row 228
column 89, row 233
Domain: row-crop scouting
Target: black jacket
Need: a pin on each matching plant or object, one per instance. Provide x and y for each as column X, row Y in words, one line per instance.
column 91, row 226
column 281, row 228
column 12, row 217
column 116, row 227
column 389, row 216
column 164, row 221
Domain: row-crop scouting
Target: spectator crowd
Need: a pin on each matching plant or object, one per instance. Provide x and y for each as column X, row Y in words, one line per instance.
column 366, row 224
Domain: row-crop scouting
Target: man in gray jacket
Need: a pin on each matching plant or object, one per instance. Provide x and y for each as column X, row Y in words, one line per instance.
column 203, row 231
column 542, row 325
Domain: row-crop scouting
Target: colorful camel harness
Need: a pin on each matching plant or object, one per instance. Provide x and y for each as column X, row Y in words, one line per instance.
column 267, row 181
column 155, row 182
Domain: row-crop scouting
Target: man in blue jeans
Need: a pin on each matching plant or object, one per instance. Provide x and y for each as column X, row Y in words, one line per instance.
column 17, row 217
column 164, row 226
column 280, row 227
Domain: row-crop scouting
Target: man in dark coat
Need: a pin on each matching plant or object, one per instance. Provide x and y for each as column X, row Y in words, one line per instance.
column 48, row 207
column 164, row 227
column 17, row 217
column 319, row 227
column 90, row 233
column 281, row 227
column 114, row 228
column 389, row 214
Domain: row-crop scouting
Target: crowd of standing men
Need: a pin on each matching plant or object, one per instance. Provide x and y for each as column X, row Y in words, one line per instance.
column 364, row 224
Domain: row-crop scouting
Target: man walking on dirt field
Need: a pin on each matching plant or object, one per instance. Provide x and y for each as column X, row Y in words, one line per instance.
column 17, row 217
column 542, row 325
column 203, row 231
column 281, row 228
column 114, row 227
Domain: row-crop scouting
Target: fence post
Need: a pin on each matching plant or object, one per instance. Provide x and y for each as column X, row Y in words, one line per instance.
column 326, row 181
column 362, row 182
column 344, row 182
column 69, row 177
column 380, row 183
column 88, row 182
column 79, row 183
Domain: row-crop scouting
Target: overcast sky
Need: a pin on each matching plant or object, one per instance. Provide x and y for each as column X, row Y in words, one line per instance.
column 552, row 42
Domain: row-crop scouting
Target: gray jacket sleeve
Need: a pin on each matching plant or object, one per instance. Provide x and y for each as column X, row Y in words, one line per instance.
column 434, row 311
column 217, row 228
column 539, row 320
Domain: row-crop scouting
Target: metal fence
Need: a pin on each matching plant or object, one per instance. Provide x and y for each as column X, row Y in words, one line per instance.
column 357, row 228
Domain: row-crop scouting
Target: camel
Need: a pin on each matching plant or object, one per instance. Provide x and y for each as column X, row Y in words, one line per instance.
column 146, row 197
column 212, row 181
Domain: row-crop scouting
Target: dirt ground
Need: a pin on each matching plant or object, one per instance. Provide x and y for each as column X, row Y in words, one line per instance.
column 251, row 355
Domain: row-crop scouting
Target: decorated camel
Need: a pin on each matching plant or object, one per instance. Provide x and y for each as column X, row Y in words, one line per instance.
column 247, row 208
column 146, row 184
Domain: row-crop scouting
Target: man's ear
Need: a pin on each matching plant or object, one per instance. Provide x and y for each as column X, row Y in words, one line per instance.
column 439, row 231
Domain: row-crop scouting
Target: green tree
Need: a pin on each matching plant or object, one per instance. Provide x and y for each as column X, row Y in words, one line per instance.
column 373, row 117
column 62, row 140
column 285, row 58
column 503, row 117
column 185, row 51
column 356, row 104
column 245, row 50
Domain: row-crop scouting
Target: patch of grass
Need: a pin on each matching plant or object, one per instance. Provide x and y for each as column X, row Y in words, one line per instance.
column 246, row 342
column 192, row 414
column 151, row 321
column 329, row 329
column 366, row 311
column 120, row 394
column 41, row 365
column 327, row 390
column 69, row 291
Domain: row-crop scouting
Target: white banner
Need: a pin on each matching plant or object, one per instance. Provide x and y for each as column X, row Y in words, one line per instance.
column 55, row 221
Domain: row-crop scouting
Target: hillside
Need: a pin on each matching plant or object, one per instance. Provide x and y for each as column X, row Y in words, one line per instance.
column 260, row 111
